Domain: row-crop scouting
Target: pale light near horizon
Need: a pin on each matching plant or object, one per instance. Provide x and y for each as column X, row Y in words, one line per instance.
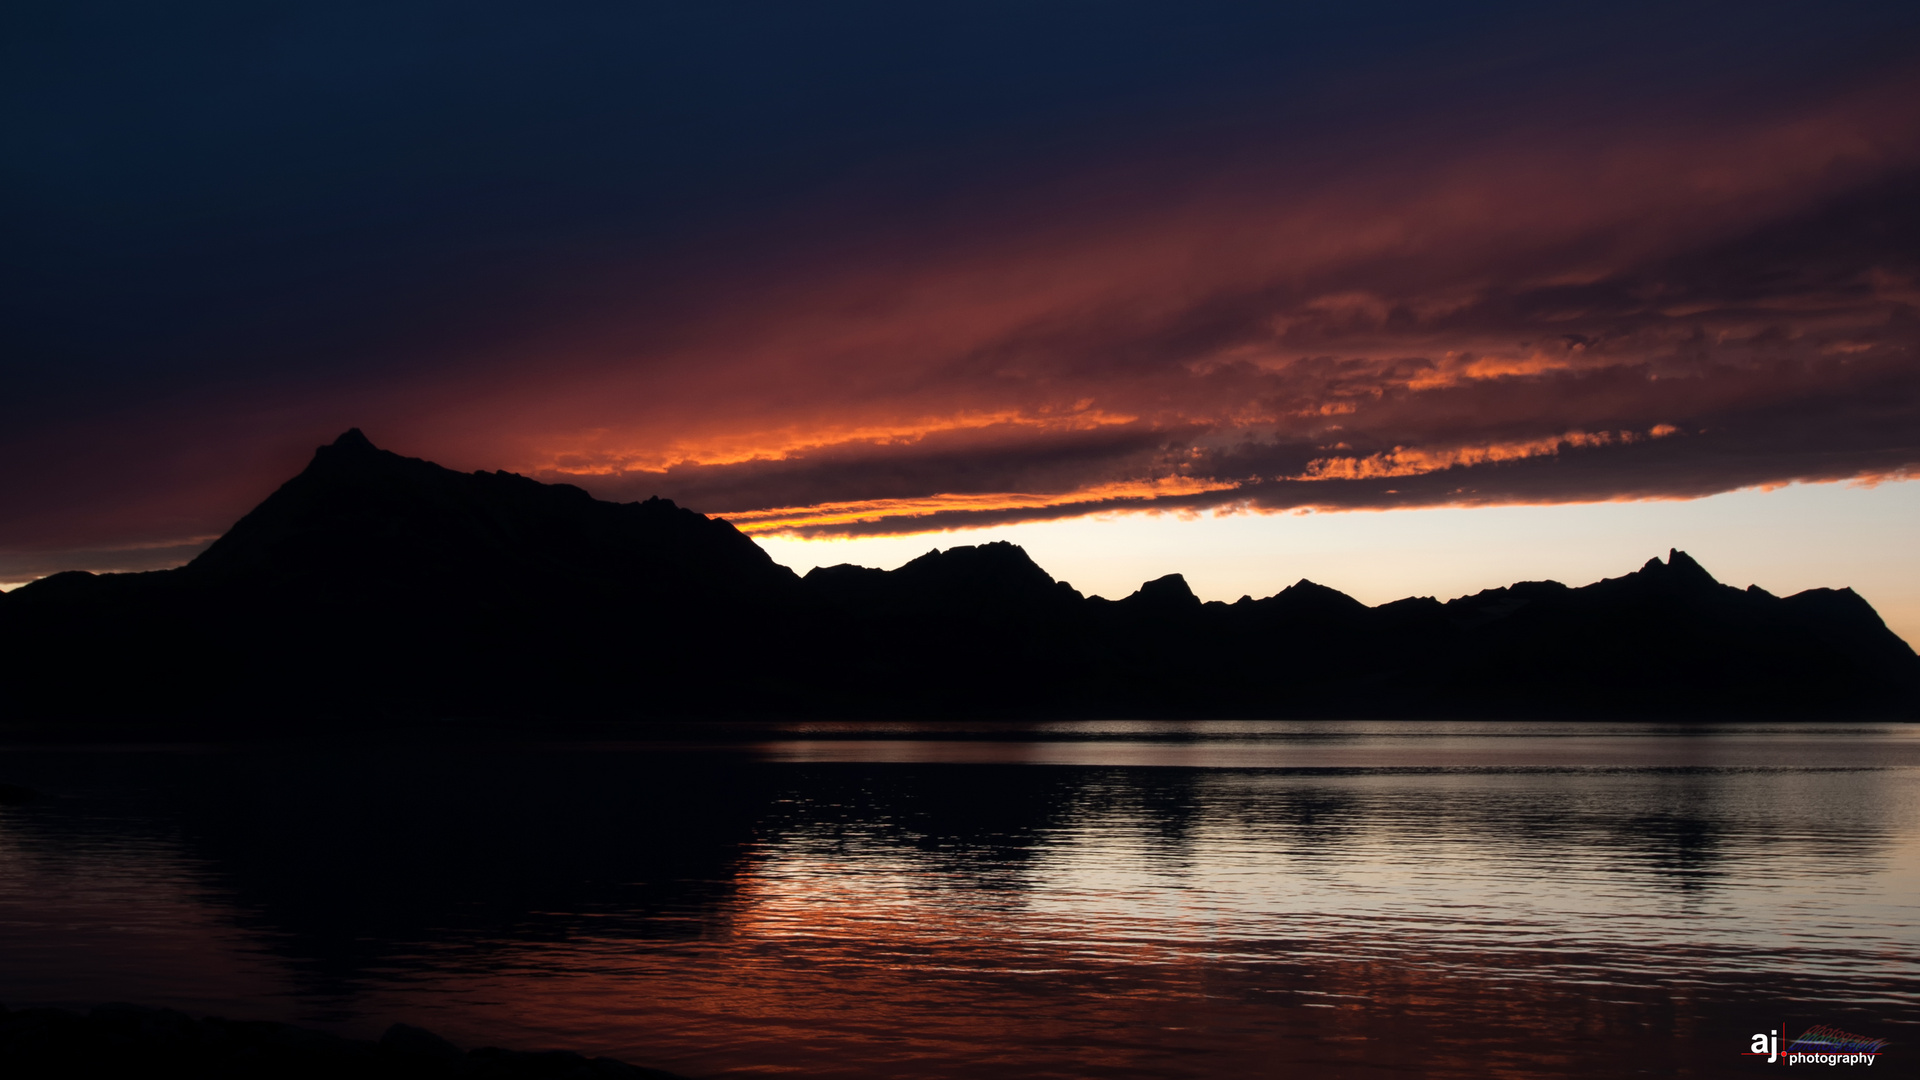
column 1786, row 539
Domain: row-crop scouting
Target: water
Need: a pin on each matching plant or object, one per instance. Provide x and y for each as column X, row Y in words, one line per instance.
column 1070, row 900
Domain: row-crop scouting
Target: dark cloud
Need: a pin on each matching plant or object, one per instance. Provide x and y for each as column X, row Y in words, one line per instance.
column 863, row 268
column 1787, row 352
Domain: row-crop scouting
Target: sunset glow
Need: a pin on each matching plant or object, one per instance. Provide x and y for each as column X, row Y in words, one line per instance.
column 903, row 513
column 924, row 308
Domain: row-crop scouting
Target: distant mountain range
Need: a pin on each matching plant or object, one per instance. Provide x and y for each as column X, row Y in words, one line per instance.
column 377, row 587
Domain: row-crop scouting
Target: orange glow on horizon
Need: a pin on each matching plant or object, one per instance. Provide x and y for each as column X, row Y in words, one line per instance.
column 792, row 518
column 1401, row 461
column 800, row 525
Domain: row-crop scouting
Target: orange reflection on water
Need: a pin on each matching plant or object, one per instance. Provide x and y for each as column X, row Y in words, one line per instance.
column 826, row 967
column 1349, row 900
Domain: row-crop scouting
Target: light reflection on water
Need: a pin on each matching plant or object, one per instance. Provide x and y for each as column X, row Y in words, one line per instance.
column 1153, row 900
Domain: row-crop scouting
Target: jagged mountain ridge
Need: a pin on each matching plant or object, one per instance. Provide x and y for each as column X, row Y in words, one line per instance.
column 378, row 585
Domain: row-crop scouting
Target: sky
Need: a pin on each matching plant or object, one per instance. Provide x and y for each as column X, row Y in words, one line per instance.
column 1412, row 299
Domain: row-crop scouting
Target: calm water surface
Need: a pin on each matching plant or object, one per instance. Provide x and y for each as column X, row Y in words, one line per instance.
column 1070, row 900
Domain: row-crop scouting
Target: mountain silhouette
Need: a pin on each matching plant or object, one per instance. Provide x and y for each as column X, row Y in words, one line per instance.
column 375, row 587
column 361, row 521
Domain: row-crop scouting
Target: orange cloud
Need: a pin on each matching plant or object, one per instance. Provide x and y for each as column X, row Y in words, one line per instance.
column 1405, row 461
column 593, row 453
column 903, row 513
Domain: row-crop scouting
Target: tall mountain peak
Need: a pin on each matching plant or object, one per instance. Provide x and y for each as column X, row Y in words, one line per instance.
column 353, row 439
column 360, row 521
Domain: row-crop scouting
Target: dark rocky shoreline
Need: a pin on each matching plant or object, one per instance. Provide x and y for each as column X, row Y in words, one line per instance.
column 132, row 1040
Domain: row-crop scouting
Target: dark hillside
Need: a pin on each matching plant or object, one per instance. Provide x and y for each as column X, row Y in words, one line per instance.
column 375, row 584
column 374, row 587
